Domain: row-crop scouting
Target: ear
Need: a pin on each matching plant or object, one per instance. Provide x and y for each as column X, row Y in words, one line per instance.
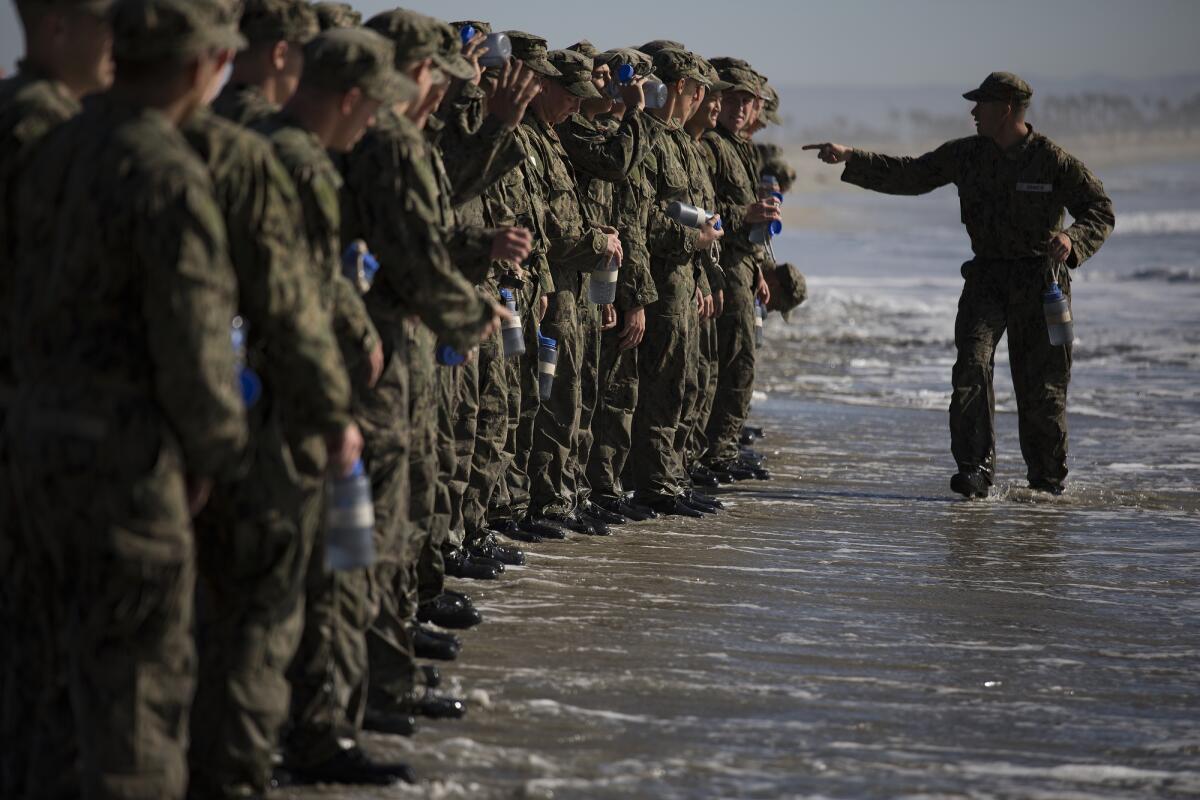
column 350, row 101
column 279, row 54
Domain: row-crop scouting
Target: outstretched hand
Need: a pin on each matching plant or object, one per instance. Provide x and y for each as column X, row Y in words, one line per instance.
column 831, row 153
column 514, row 90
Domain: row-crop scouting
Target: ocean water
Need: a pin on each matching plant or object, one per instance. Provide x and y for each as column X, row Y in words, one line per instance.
column 851, row 629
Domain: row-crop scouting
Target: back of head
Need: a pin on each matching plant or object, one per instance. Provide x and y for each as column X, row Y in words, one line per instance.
column 419, row 36
column 150, row 33
column 337, row 15
column 271, row 21
column 342, row 59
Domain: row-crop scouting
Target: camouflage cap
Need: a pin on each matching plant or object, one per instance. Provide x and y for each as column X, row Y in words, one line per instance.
column 586, row 48
column 154, row 30
column 1002, row 86
column 643, row 65
column 771, row 105
column 337, row 15
column 342, row 59
column 793, row 290
column 737, row 73
column 278, row 21
column 531, row 50
column 480, row 27
column 418, row 36
column 715, row 84
column 575, row 73
column 653, row 46
column 672, row 64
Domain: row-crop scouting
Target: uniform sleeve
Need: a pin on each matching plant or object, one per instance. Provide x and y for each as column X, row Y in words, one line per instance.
column 416, row 274
column 609, row 157
column 904, row 175
column 732, row 196
column 1089, row 207
column 475, row 161
column 665, row 238
column 190, row 300
column 280, row 298
column 471, row 248
column 356, row 334
column 635, row 284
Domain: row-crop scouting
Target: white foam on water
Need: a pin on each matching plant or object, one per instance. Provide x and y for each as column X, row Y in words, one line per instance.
column 1158, row 222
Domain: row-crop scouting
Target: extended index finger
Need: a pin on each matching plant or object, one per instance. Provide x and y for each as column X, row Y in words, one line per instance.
column 815, row 146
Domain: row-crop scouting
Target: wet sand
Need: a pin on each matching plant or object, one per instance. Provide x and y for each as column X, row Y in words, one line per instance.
column 849, row 629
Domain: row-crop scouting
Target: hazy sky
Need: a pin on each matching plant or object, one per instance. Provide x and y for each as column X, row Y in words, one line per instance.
column 864, row 42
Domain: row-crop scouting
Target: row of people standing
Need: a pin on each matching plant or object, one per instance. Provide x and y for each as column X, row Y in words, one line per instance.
column 376, row 212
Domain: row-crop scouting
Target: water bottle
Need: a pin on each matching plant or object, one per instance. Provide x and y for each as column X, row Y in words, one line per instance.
column 763, row 232
column 467, row 34
column 760, row 314
column 602, row 288
column 514, row 337
column 625, row 73
column 447, row 356
column 248, row 381
column 499, row 50
column 359, row 266
column 1057, row 308
column 350, row 522
column 690, row 216
column 656, row 93
column 547, row 363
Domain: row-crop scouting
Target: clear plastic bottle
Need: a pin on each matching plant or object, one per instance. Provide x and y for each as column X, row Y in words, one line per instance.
column 547, row 364
column 1057, row 308
column 514, row 337
column 760, row 315
column 350, row 522
column 249, row 383
column 602, row 285
column 763, row 232
column 689, row 215
column 653, row 89
column 499, row 50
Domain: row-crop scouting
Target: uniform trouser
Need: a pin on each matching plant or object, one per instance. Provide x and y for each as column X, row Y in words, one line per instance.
column 612, row 423
column 556, row 427
column 735, row 373
column 384, row 414
column 661, row 379
column 523, row 408
column 707, row 374
column 330, row 665
column 590, row 322
column 999, row 296
column 108, row 513
column 489, row 459
column 691, row 395
column 252, row 557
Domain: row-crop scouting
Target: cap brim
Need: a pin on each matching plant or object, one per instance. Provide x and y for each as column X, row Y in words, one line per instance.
column 455, row 66
column 720, row 86
column 395, row 88
column 225, row 38
column 584, row 89
column 542, row 67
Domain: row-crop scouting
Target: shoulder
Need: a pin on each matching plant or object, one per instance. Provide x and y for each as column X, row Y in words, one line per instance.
column 31, row 108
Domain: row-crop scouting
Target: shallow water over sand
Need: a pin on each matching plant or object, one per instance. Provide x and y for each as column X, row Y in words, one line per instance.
column 845, row 630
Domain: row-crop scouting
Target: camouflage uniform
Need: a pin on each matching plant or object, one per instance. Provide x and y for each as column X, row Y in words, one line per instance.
column 337, row 15
column 126, row 390
column 31, row 105
column 253, row 547
column 330, row 666
column 735, row 179
column 1012, row 202
column 573, row 248
column 392, row 198
column 604, row 153
column 670, row 323
column 265, row 22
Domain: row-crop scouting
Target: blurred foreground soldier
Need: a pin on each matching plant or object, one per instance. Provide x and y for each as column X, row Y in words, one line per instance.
column 788, row 288
column 337, row 15
column 1013, row 185
column 127, row 410
column 773, row 162
column 267, row 72
column 348, row 76
column 255, row 537
column 67, row 56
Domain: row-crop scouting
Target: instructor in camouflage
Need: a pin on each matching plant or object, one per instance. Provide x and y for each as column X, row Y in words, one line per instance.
column 1013, row 185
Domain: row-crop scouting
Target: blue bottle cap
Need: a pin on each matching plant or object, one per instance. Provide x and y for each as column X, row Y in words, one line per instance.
column 370, row 266
column 776, row 227
column 547, row 342
column 625, row 73
column 447, row 356
column 778, row 196
column 358, row 470
column 717, row 225
column 1053, row 294
column 251, row 386
column 467, row 33
column 506, row 295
